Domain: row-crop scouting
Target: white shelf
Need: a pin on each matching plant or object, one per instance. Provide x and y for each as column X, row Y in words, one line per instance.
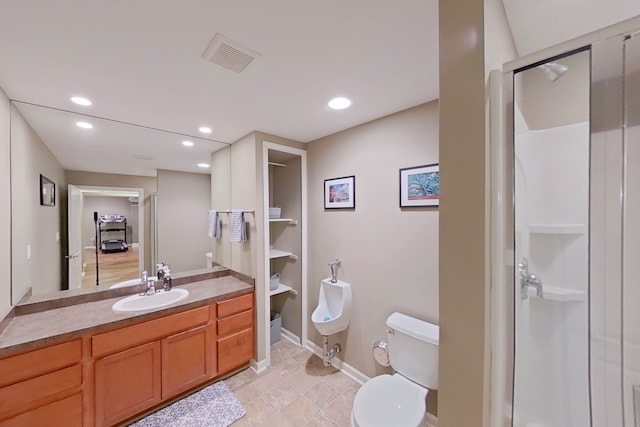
column 282, row 289
column 558, row 228
column 559, row 294
column 276, row 253
column 288, row 220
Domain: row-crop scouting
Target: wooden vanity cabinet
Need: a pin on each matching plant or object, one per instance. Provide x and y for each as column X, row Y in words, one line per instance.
column 235, row 332
column 43, row 387
column 106, row 378
column 139, row 366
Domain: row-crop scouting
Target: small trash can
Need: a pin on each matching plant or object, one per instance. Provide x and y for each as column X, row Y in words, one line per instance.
column 276, row 327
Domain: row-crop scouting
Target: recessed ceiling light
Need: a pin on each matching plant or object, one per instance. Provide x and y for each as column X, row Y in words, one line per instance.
column 84, row 125
column 204, row 129
column 80, row 101
column 187, row 143
column 203, row 165
column 339, row 103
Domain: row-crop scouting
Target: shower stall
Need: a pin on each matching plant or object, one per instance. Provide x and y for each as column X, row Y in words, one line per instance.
column 572, row 247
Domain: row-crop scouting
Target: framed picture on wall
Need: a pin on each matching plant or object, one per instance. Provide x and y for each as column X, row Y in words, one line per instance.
column 420, row 186
column 340, row 193
column 47, row 191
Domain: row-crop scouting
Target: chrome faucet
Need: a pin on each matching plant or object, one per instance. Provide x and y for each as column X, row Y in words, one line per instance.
column 528, row 279
column 334, row 270
column 151, row 286
column 167, row 282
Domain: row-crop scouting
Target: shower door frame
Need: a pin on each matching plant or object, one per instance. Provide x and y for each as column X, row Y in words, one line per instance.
column 607, row 62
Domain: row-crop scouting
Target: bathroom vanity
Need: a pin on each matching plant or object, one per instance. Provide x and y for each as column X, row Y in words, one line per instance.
column 111, row 367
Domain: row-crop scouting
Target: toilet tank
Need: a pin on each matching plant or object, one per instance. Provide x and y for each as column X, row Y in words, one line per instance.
column 413, row 349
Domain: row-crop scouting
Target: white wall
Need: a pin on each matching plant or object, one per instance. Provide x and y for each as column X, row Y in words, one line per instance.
column 183, row 202
column 221, row 201
column 389, row 255
column 5, row 208
column 33, row 225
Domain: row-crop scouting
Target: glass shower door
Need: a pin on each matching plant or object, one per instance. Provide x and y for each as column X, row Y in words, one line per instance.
column 551, row 194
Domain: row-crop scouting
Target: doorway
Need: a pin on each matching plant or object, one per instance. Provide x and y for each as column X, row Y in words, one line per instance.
column 99, row 253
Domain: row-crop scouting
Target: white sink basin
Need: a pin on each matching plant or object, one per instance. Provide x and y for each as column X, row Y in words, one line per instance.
column 131, row 282
column 149, row 302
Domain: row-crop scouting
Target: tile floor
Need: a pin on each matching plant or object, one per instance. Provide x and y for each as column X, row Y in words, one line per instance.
column 296, row 390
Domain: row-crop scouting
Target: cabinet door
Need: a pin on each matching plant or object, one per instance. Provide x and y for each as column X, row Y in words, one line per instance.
column 127, row 383
column 186, row 360
column 66, row 412
column 235, row 350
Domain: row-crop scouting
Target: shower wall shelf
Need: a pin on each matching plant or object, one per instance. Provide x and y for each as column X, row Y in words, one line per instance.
column 276, row 253
column 552, row 293
column 558, row 228
column 282, row 288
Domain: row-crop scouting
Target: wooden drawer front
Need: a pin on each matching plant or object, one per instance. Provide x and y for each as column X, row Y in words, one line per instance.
column 36, row 391
column 235, row 351
column 66, row 412
column 236, row 323
column 235, row 305
column 127, row 337
column 127, row 383
column 28, row 365
column 185, row 360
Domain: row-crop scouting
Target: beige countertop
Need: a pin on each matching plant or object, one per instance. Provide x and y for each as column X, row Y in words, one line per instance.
column 27, row 331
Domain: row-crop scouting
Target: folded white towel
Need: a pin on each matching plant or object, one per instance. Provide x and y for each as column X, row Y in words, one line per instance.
column 238, row 226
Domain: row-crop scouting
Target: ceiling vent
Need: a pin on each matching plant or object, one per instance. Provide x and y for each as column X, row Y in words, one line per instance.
column 229, row 54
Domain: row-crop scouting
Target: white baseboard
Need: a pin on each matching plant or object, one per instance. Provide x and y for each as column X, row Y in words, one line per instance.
column 339, row 364
column 291, row 337
column 258, row 366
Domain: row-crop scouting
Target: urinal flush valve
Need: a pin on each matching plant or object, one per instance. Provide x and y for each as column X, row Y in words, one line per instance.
column 334, row 270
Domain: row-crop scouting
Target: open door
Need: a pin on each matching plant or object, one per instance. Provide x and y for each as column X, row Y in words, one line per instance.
column 75, row 237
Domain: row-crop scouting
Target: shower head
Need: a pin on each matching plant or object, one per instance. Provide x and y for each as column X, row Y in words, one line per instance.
column 553, row 70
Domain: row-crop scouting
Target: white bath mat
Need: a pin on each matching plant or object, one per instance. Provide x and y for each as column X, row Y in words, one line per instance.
column 213, row 406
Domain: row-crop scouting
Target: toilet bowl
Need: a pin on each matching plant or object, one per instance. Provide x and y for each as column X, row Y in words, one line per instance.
column 333, row 312
column 389, row 400
column 400, row 399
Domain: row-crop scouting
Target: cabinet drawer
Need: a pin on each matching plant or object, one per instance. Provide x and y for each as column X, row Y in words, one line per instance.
column 130, row 336
column 235, row 351
column 31, row 393
column 28, row 365
column 235, row 305
column 62, row 413
column 236, row 323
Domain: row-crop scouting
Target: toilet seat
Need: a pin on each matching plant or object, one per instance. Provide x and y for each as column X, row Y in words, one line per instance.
column 388, row 400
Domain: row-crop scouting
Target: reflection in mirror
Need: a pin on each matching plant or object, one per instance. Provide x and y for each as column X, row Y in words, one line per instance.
column 147, row 176
column 551, row 167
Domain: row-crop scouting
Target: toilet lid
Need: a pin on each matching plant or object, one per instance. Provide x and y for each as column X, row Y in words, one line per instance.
column 388, row 401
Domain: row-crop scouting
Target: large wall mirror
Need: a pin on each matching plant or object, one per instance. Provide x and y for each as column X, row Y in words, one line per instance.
column 127, row 197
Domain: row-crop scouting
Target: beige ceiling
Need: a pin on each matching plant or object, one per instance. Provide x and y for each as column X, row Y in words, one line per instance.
column 140, row 62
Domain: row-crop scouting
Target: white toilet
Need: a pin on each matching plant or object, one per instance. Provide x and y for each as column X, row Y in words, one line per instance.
column 400, row 399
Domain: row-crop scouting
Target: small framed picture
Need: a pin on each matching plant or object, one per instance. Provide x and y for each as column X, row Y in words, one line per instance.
column 47, row 191
column 340, row 193
column 420, row 186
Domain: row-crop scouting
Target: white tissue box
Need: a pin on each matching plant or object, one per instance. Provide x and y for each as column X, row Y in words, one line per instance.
column 274, row 213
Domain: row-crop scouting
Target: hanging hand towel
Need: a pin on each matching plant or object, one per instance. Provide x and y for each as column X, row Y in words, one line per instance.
column 217, row 226
column 238, row 226
column 213, row 216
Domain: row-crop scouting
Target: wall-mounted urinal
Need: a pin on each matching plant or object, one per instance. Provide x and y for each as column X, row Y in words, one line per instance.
column 333, row 312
